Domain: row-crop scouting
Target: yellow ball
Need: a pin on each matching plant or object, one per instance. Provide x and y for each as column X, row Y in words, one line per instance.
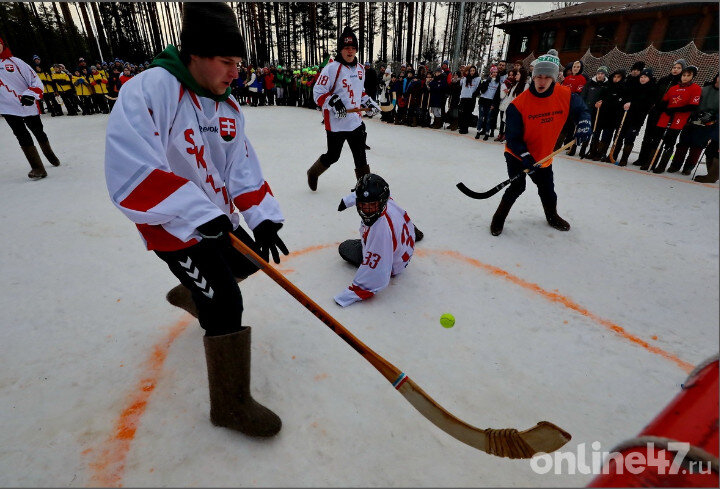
column 447, row 320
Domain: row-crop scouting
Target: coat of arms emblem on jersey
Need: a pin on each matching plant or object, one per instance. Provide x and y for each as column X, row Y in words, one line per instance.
column 227, row 128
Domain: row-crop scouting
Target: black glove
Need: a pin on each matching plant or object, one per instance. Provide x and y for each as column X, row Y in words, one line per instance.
column 528, row 162
column 268, row 240
column 216, row 230
column 342, row 205
column 337, row 106
column 27, row 100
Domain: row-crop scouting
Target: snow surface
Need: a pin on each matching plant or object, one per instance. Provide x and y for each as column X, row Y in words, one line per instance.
column 104, row 383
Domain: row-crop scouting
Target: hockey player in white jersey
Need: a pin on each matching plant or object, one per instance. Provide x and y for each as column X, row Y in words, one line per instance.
column 20, row 91
column 341, row 86
column 387, row 242
column 178, row 164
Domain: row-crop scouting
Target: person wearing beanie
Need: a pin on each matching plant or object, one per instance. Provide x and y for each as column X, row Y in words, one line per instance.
column 21, row 92
column 664, row 84
column 698, row 131
column 590, row 94
column 341, row 86
column 677, row 105
column 179, row 165
column 534, row 121
column 609, row 113
column 638, row 99
column 633, row 77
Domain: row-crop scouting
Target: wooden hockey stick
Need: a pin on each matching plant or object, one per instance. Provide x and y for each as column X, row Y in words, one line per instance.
column 662, row 143
column 509, row 442
column 617, row 136
column 368, row 109
column 497, row 188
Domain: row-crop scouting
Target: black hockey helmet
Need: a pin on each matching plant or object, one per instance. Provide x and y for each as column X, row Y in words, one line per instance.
column 371, row 194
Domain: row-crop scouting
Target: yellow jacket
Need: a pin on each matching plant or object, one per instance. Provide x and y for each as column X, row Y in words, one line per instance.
column 48, row 85
column 82, row 87
column 99, row 83
column 62, row 82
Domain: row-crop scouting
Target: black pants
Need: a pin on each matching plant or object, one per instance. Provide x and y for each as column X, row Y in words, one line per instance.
column 542, row 177
column 20, row 126
column 101, row 102
column 467, row 105
column 52, row 104
column 69, row 99
column 210, row 270
column 356, row 141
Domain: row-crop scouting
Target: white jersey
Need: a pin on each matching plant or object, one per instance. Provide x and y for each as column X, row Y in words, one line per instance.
column 348, row 83
column 175, row 160
column 17, row 78
column 387, row 247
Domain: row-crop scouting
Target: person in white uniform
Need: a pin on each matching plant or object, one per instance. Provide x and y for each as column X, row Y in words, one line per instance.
column 179, row 165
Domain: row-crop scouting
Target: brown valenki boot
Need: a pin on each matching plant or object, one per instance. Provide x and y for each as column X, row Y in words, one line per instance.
column 314, row 173
column 712, row 171
column 231, row 404
column 498, row 219
column 33, row 157
column 363, row 170
column 49, row 154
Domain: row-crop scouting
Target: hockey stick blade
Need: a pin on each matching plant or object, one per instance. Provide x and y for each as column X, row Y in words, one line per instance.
column 511, row 443
column 484, row 195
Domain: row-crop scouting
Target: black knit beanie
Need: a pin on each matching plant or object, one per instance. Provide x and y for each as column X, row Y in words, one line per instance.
column 347, row 38
column 210, row 29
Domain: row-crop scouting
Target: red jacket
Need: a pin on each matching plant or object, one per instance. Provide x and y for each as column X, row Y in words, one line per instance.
column 576, row 83
column 680, row 96
column 269, row 81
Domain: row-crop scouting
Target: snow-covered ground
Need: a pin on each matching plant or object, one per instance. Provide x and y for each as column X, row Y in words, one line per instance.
column 104, row 383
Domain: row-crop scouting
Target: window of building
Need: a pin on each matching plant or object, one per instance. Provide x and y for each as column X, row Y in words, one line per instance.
column 547, row 41
column 524, row 44
column 711, row 39
column 638, row 36
column 680, row 31
column 604, row 38
column 573, row 38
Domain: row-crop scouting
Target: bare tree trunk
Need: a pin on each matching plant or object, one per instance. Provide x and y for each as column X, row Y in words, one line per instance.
column 400, row 25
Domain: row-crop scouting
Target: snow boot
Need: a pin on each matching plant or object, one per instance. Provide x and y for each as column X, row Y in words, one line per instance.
column 602, row 148
column 498, row 219
column 231, row 404
column 660, row 167
column 646, row 152
column 553, row 219
column 583, row 151
column 453, row 125
column 351, row 251
column 592, row 154
column 692, row 160
column 363, row 170
column 488, row 135
column 419, row 235
column 38, row 169
column 712, row 171
column 627, row 149
column 477, row 135
column 437, row 123
column 678, row 159
column 49, row 154
column 314, row 173
column 572, row 150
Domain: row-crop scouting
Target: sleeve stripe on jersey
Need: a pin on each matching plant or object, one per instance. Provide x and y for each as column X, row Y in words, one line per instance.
column 249, row 199
column 37, row 90
column 321, row 98
column 360, row 292
column 155, row 188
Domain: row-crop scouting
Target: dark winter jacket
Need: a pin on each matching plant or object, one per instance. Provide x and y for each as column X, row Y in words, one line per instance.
column 437, row 90
column 612, row 102
column 591, row 94
column 454, row 90
column 413, row 92
column 641, row 98
column 371, row 82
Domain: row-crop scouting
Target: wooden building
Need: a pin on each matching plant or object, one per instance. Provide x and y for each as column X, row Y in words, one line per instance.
column 600, row 26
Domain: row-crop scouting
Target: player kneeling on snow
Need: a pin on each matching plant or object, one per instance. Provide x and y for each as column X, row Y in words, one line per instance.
column 388, row 239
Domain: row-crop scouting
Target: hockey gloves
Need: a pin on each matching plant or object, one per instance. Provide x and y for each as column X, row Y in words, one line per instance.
column 216, row 230
column 337, row 106
column 528, row 162
column 374, row 106
column 583, row 132
column 342, row 205
column 268, row 240
column 27, row 100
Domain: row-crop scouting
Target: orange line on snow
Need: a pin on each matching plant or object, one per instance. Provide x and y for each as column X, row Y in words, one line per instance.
column 565, row 301
column 108, row 466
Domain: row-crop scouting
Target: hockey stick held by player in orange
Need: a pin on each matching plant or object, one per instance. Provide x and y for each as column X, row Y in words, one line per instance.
column 509, row 442
column 497, row 188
